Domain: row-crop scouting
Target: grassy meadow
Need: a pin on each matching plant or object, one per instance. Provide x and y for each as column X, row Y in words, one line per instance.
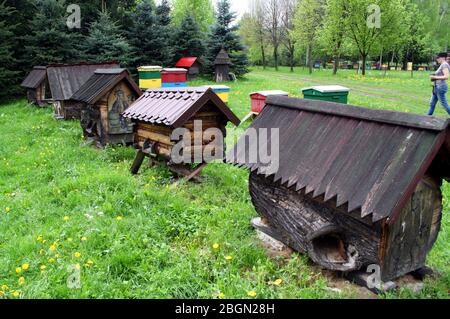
column 69, row 208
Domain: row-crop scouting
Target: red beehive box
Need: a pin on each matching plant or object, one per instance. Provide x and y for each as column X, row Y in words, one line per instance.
column 174, row 75
column 259, row 99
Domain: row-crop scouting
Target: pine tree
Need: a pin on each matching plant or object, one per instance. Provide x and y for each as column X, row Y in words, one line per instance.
column 105, row 42
column 224, row 35
column 8, row 79
column 189, row 39
column 164, row 33
column 149, row 34
column 50, row 40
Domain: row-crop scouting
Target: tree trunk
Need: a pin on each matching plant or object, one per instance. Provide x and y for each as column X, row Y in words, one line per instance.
column 275, row 57
column 292, row 62
column 364, row 60
column 310, row 64
column 263, row 54
column 336, row 63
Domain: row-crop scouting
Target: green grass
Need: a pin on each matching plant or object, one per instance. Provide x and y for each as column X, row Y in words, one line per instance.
column 161, row 247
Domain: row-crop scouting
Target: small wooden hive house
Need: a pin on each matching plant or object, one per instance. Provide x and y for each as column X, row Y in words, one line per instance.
column 104, row 97
column 158, row 112
column 36, row 85
column 192, row 65
column 222, row 67
column 353, row 187
column 65, row 80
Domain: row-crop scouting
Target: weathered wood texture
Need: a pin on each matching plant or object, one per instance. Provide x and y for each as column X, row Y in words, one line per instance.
column 103, row 122
column 340, row 241
column 408, row 241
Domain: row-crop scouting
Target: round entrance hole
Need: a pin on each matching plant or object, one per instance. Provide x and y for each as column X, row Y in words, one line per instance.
column 330, row 249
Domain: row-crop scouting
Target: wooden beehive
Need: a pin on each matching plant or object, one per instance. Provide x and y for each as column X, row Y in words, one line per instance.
column 222, row 67
column 354, row 187
column 160, row 111
column 103, row 98
column 64, row 80
column 36, row 85
column 192, row 65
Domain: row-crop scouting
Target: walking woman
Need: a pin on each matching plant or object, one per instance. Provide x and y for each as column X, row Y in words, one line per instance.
column 440, row 80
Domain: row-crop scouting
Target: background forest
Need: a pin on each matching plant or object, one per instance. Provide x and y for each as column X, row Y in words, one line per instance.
column 272, row 33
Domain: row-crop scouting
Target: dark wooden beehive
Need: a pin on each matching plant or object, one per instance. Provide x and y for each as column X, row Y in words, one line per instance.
column 65, row 79
column 36, row 85
column 103, row 98
column 355, row 187
column 222, row 67
column 160, row 111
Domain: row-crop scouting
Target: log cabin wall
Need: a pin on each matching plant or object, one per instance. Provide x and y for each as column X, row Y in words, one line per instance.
column 160, row 135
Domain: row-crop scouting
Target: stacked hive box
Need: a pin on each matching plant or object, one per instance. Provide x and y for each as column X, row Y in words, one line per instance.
column 149, row 77
column 259, row 99
column 174, row 77
column 222, row 91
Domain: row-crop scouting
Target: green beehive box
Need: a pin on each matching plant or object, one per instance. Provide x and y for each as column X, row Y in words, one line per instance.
column 329, row 93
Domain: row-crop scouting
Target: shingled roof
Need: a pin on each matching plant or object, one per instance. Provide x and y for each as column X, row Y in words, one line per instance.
column 101, row 82
column 35, row 77
column 175, row 106
column 361, row 159
column 66, row 79
column 222, row 58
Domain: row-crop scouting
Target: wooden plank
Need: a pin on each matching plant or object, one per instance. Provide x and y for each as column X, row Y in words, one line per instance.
column 140, row 156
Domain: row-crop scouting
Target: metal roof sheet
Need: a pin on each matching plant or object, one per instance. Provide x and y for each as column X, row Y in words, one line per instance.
column 175, row 106
column 101, row 82
column 35, row 77
column 65, row 80
column 369, row 160
column 186, row 62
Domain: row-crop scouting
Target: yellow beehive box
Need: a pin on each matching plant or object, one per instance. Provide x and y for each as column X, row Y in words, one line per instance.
column 150, row 77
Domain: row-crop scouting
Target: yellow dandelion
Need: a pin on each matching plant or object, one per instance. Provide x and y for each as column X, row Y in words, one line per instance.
column 52, row 260
column 21, row 280
column 7, row 209
column 40, row 238
column 119, row 218
column 89, row 262
column 229, row 258
column 278, row 282
column 83, row 238
column 221, row 295
column 53, row 247
column 43, row 267
column 16, row 293
column 66, row 218
column 77, row 254
column 252, row 294
column 18, row 270
column 26, row 266
column 5, row 287
column 216, row 246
